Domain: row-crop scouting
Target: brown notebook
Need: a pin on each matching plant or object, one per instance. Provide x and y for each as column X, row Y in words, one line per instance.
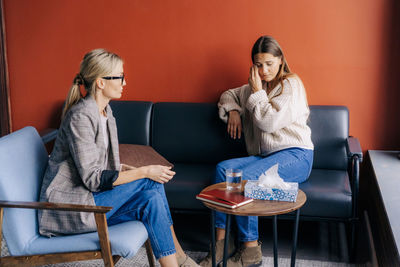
column 224, row 198
column 140, row 155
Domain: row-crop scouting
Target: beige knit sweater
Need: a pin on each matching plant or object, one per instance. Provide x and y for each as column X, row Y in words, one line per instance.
column 270, row 122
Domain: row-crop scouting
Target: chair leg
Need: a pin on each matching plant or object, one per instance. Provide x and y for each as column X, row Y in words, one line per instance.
column 149, row 252
column 116, row 258
column 102, row 231
column 353, row 238
column 1, row 224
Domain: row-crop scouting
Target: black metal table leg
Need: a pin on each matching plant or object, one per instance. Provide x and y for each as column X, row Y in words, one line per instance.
column 275, row 237
column 294, row 246
column 227, row 229
column 213, row 238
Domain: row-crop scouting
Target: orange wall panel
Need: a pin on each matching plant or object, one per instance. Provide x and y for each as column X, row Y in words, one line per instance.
column 188, row 50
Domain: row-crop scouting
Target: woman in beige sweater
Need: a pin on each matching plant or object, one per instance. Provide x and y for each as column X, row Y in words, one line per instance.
column 272, row 112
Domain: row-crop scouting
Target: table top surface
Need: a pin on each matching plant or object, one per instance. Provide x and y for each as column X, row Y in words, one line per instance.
column 258, row 207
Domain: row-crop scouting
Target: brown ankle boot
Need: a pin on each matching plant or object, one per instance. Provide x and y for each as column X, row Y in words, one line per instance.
column 219, row 252
column 246, row 257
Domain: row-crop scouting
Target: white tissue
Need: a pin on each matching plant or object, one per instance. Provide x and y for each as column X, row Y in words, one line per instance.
column 271, row 179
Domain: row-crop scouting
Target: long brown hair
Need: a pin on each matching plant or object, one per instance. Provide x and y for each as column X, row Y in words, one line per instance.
column 97, row 63
column 267, row 44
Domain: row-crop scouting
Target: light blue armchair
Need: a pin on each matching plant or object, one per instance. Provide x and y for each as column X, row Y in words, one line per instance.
column 23, row 160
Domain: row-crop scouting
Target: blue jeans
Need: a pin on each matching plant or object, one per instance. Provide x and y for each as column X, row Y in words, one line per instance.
column 142, row 200
column 294, row 166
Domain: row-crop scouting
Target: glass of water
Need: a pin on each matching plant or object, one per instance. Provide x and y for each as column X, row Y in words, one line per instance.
column 233, row 179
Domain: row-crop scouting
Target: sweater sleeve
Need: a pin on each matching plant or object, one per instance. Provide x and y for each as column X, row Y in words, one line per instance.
column 279, row 111
column 231, row 100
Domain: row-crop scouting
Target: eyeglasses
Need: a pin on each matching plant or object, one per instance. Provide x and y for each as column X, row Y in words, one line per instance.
column 115, row 78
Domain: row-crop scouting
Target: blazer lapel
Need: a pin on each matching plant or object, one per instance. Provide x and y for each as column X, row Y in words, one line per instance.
column 112, row 128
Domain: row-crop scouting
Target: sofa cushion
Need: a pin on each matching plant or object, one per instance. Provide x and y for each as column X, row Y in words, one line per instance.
column 192, row 133
column 139, row 155
column 328, row 194
column 188, row 181
column 133, row 121
column 120, row 236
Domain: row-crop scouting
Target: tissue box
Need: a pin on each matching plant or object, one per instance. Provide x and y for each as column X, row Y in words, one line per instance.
column 253, row 190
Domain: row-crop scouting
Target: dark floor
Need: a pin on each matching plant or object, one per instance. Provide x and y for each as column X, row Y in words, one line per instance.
column 322, row 241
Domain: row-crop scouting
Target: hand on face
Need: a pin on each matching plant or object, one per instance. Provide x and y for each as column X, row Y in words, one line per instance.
column 234, row 124
column 254, row 79
column 159, row 173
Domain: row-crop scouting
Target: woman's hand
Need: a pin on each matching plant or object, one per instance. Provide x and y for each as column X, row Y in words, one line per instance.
column 159, row 173
column 254, row 79
column 234, row 124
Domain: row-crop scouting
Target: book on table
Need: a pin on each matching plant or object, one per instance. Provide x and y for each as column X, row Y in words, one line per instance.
column 224, row 198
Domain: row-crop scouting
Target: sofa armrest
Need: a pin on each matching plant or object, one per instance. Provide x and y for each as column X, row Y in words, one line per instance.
column 54, row 206
column 48, row 135
column 355, row 155
column 354, row 148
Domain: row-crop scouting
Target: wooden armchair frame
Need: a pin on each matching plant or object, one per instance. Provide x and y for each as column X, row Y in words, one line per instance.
column 102, row 230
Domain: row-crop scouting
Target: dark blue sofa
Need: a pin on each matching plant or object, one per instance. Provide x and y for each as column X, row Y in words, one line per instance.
column 194, row 139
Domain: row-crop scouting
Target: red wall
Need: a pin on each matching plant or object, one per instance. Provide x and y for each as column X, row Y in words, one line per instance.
column 188, row 50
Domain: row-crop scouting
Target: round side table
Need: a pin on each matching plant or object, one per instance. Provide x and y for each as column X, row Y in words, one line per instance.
column 261, row 208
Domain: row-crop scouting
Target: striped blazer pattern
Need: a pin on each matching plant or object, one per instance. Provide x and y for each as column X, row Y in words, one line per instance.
column 75, row 165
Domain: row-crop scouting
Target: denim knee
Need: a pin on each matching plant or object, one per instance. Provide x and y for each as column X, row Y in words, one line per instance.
column 219, row 173
column 297, row 164
column 223, row 166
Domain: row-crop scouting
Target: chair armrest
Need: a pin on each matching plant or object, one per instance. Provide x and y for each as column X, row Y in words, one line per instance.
column 99, row 216
column 54, row 206
column 48, row 135
column 354, row 148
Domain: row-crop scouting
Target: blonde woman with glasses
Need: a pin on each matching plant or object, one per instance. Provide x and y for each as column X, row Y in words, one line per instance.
column 84, row 166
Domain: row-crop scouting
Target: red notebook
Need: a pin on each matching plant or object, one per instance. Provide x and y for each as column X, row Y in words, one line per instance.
column 224, row 198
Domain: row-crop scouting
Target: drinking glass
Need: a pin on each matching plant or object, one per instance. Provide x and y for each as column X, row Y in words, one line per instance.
column 233, row 179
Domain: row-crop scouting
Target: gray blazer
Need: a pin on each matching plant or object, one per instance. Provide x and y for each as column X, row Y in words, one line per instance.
column 75, row 166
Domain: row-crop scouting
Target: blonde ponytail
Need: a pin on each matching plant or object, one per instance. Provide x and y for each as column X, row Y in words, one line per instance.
column 74, row 94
